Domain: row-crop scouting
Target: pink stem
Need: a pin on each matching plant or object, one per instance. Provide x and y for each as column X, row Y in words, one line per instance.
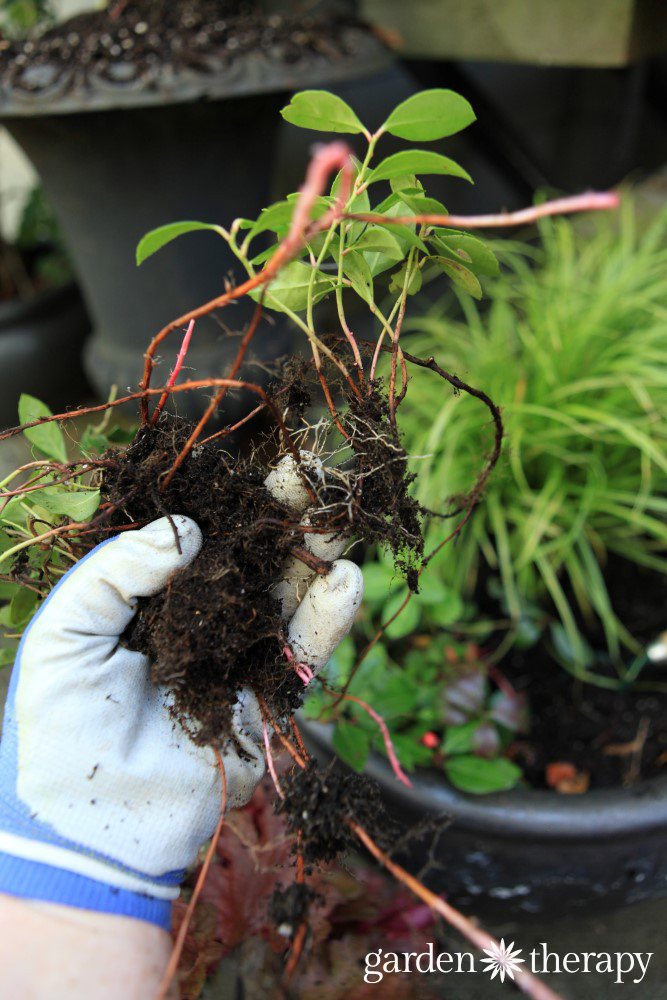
column 177, row 367
column 389, row 746
column 303, row 671
column 269, row 760
column 181, row 354
column 593, row 201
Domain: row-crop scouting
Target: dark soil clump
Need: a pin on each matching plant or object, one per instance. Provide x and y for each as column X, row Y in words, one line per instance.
column 318, row 803
column 288, row 908
column 216, row 628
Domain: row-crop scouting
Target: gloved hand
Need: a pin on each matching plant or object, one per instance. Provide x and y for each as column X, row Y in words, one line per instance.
column 104, row 799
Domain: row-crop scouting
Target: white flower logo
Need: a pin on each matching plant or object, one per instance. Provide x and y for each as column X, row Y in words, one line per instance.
column 502, row 959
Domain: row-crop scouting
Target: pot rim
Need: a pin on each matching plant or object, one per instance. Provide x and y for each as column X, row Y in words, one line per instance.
column 253, row 74
column 535, row 814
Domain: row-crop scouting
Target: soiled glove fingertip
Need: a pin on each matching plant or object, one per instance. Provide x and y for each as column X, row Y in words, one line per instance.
column 169, row 534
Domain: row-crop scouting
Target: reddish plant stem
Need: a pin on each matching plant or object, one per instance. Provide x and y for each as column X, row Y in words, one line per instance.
column 217, row 399
column 177, row 950
column 266, row 715
column 298, row 738
column 386, row 737
column 327, row 158
column 177, row 367
column 295, row 955
column 524, row 979
column 269, row 759
column 592, row 201
column 226, row 431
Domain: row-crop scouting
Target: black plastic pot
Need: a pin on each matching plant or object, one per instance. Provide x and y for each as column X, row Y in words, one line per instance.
column 527, row 853
column 119, row 157
column 40, row 349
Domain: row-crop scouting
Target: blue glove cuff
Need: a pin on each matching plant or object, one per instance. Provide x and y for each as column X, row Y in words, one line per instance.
column 34, row 880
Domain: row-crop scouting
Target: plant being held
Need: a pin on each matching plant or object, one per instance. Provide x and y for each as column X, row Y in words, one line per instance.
column 347, row 470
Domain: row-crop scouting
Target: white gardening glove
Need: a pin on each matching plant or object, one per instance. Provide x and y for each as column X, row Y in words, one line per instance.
column 104, row 799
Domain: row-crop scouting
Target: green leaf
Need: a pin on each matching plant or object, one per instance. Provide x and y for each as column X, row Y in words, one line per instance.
column 432, row 114
column 274, row 218
column 416, row 161
column 432, row 590
column 8, row 654
column 461, row 276
column 447, row 611
column 406, row 182
column 357, row 270
column 47, row 437
column 378, row 581
column 459, row 739
column 480, row 776
column 407, row 621
column 379, row 240
column 421, row 205
column 482, row 259
column 342, row 661
column 289, row 290
column 398, row 280
column 351, row 743
column 321, row 111
column 399, row 695
column 157, row 238
column 79, row 505
column 22, row 606
column 410, row 751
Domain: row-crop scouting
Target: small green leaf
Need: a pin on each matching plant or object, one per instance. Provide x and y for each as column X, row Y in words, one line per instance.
column 432, row 114
column 8, row 654
column 416, row 161
column 321, row 111
column 22, row 606
column 432, row 590
column 398, row 280
column 482, row 259
column 351, row 743
column 407, row 621
column 289, row 290
column 459, row 739
column 274, row 218
column 399, row 695
column 357, row 270
column 47, row 437
column 342, row 661
column 378, row 581
column 461, row 276
column 78, row 505
column 421, row 205
column 410, row 751
column 479, row 776
column 377, row 239
column 157, row 238
column 406, row 182
column 447, row 611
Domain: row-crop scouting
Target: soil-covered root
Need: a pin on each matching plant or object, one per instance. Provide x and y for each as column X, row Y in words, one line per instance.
column 318, row 804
